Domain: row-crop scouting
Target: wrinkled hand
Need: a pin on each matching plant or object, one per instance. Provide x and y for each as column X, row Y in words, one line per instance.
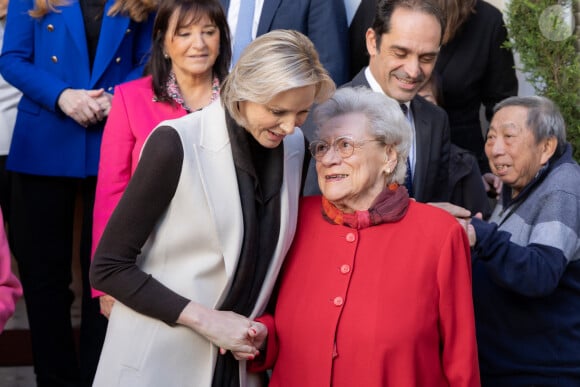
column 104, row 102
column 457, row 211
column 227, row 330
column 106, row 303
column 257, row 333
column 492, row 184
column 83, row 106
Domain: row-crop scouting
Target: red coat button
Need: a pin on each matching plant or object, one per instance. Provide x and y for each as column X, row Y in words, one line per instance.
column 350, row 237
column 338, row 301
column 344, row 269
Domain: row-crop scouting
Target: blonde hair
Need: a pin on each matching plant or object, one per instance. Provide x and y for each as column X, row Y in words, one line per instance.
column 137, row 10
column 273, row 63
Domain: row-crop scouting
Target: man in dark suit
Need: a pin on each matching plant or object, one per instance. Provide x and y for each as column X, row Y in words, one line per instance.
column 403, row 44
column 323, row 21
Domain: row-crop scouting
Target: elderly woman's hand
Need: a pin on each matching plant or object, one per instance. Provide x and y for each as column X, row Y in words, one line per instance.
column 258, row 334
column 456, row 211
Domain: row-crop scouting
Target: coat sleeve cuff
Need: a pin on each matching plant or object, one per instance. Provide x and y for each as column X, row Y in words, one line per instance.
column 267, row 356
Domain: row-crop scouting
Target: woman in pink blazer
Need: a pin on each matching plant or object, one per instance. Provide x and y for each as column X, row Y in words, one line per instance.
column 190, row 57
column 10, row 288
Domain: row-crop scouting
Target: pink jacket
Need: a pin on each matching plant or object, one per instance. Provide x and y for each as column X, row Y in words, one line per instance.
column 134, row 114
column 10, row 288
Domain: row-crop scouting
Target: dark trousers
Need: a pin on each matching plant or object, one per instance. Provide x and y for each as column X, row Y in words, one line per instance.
column 42, row 219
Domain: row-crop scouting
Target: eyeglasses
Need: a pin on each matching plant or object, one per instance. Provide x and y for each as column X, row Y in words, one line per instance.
column 343, row 145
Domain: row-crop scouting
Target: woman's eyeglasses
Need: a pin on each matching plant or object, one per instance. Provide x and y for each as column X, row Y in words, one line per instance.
column 343, row 145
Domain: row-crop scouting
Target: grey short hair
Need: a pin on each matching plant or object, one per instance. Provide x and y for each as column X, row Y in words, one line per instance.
column 384, row 118
column 273, row 63
column 544, row 119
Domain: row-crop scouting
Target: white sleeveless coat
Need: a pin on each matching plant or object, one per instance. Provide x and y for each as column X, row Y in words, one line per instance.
column 194, row 251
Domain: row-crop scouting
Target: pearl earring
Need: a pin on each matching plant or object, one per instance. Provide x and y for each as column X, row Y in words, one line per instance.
column 165, row 55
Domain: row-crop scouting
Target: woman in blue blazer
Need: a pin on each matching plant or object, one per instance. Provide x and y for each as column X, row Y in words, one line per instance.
column 65, row 57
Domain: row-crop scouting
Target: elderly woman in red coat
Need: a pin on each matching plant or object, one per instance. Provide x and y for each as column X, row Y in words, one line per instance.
column 376, row 289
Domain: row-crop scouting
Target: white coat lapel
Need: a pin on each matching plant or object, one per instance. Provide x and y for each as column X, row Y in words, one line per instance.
column 218, row 177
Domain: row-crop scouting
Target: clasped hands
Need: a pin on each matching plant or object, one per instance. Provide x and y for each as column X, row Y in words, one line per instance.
column 87, row 107
column 227, row 330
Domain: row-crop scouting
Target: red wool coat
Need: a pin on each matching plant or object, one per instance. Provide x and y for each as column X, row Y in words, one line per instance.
column 388, row 305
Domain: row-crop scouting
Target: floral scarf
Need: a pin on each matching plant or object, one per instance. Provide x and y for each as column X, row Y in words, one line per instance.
column 390, row 206
column 174, row 92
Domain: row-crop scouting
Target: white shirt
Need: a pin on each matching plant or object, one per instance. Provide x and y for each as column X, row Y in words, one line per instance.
column 234, row 11
column 351, row 6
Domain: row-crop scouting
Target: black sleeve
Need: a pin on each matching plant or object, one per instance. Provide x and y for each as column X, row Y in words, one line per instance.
column 151, row 189
column 305, row 166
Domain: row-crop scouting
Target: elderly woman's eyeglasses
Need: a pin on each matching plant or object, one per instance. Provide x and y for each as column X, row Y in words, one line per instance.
column 343, row 145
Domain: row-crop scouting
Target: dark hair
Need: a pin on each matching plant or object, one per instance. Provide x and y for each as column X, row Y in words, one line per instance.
column 188, row 12
column 385, row 9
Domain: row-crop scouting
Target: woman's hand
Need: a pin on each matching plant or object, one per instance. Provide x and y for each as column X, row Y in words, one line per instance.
column 104, row 102
column 84, row 106
column 227, row 330
column 106, row 303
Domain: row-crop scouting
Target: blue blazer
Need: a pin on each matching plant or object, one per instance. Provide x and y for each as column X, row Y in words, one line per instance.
column 42, row 57
column 323, row 21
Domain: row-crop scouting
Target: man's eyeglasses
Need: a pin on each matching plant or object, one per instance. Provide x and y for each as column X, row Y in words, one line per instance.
column 343, row 145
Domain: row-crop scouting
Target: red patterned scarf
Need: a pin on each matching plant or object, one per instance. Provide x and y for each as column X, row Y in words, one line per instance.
column 390, row 206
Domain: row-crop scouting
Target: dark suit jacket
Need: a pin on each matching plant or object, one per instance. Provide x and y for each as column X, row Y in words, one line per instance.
column 476, row 74
column 431, row 176
column 323, row 21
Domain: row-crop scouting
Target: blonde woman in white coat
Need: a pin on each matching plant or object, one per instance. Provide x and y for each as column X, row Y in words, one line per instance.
column 194, row 247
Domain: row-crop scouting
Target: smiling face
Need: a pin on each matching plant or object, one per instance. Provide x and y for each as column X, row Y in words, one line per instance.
column 407, row 53
column 269, row 123
column 353, row 183
column 512, row 150
column 193, row 49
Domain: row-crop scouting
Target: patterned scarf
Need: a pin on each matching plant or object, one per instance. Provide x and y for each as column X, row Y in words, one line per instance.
column 390, row 206
column 174, row 92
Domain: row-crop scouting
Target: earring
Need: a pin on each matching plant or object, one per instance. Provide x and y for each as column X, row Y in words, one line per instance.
column 165, row 55
column 388, row 171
